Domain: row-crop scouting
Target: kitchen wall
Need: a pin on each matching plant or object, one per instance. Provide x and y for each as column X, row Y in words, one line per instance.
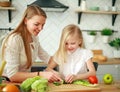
column 50, row 36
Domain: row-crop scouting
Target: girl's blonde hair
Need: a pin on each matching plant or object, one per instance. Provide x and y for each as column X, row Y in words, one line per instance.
column 68, row 32
column 21, row 29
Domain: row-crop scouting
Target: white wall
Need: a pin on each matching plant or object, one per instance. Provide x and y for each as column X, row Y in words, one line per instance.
column 50, row 35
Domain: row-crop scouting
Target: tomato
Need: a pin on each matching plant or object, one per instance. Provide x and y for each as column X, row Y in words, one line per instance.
column 10, row 88
column 93, row 79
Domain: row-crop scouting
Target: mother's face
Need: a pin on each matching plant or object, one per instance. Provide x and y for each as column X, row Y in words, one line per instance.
column 35, row 24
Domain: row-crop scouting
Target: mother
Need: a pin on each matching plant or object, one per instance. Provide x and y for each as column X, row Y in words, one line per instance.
column 21, row 47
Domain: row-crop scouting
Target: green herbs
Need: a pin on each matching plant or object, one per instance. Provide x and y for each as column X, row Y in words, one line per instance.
column 115, row 43
column 92, row 33
column 106, row 32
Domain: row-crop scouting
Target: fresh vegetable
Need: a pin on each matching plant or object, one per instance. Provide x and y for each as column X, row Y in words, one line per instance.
column 93, row 79
column 108, row 78
column 57, row 83
column 82, row 82
column 26, row 85
column 10, row 88
column 40, row 85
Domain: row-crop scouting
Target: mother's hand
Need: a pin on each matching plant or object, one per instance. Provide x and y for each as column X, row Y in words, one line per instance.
column 51, row 76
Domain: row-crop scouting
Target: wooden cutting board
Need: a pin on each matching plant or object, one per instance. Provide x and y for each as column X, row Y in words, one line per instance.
column 72, row 88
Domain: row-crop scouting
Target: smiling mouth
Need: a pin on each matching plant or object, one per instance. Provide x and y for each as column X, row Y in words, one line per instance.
column 37, row 32
column 70, row 49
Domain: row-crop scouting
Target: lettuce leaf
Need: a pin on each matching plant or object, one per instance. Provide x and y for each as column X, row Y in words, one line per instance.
column 26, row 85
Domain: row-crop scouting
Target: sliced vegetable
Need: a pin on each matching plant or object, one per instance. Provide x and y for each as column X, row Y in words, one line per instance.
column 57, row 83
column 82, row 82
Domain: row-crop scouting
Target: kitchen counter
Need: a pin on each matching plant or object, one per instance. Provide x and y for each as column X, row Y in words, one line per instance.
column 100, row 88
column 73, row 88
column 78, row 88
column 115, row 87
column 108, row 62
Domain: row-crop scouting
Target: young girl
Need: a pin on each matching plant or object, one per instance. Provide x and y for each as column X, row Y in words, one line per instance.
column 74, row 61
column 21, row 47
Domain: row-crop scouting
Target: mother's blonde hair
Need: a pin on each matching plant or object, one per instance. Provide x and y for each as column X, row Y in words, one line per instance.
column 68, row 32
column 21, row 29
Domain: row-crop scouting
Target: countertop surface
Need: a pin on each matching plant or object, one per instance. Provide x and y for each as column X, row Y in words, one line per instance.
column 78, row 88
column 109, row 61
column 73, row 88
column 115, row 87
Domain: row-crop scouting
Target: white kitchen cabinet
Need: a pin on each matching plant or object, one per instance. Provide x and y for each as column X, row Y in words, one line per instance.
column 112, row 69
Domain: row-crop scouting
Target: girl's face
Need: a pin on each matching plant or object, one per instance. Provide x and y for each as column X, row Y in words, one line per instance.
column 35, row 24
column 72, row 44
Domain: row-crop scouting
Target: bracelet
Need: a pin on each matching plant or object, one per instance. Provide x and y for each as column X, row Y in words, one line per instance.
column 38, row 73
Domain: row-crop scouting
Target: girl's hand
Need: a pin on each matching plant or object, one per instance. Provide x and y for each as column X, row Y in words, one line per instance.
column 70, row 78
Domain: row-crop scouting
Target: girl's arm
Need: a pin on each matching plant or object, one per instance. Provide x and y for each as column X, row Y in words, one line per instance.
column 91, row 71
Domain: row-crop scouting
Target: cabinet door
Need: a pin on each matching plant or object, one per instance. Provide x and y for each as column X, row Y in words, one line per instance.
column 112, row 69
